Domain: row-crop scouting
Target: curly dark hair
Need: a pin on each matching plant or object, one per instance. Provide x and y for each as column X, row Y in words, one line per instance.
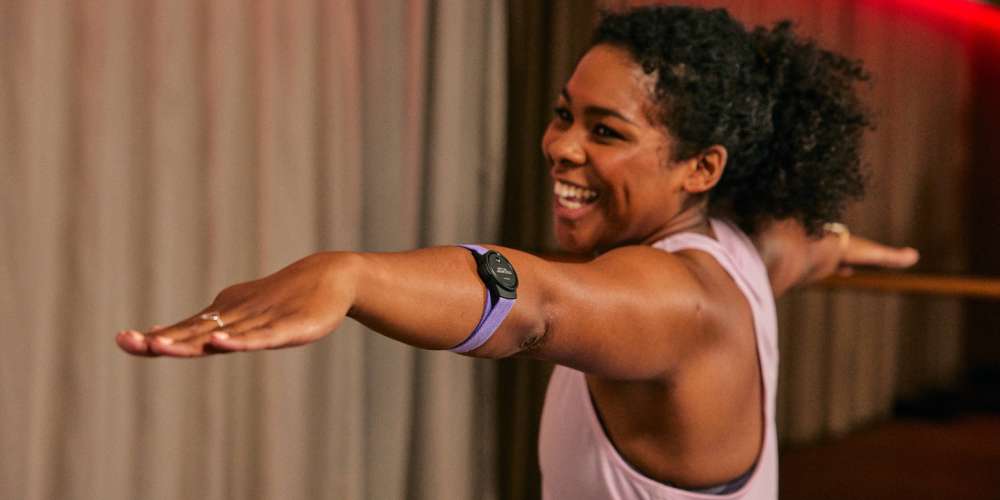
column 784, row 109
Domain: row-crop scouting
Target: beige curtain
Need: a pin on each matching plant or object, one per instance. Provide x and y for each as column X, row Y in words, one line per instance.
column 848, row 356
column 152, row 152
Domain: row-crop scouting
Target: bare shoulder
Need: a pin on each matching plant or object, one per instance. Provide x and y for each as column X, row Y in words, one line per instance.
column 726, row 312
column 723, row 327
column 694, row 277
column 634, row 313
column 674, row 283
column 661, row 268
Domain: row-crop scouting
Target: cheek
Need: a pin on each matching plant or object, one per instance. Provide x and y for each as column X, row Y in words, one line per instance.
column 548, row 138
column 642, row 185
column 620, row 180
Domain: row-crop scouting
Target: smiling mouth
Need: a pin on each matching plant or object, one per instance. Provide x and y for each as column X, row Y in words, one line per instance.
column 571, row 196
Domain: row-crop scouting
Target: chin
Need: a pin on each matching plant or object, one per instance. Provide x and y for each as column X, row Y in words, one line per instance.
column 573, row 242
column 575, row 249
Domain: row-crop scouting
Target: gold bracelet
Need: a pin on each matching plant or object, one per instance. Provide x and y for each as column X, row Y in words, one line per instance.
column 842, row 232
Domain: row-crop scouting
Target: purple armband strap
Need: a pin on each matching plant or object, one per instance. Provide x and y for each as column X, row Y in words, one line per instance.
column 501, row 284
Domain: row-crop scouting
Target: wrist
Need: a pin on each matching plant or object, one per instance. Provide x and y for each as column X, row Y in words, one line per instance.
column 829, row 251
column 843, row 235
column 344, row 271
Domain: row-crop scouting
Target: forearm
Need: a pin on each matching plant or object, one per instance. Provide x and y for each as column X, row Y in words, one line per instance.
column 433, row 298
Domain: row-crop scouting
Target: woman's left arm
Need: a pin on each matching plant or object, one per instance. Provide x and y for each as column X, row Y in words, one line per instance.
column 794, row 258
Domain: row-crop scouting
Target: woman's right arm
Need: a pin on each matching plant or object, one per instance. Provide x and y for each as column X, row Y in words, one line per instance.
column 632, row 313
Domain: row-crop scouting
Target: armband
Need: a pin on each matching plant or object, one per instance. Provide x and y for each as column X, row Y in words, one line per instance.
column 500, row 279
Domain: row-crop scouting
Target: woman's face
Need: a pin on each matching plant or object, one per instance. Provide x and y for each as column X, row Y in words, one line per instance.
column 614, row 181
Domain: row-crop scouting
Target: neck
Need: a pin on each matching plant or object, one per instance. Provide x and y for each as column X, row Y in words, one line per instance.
column 691, row 219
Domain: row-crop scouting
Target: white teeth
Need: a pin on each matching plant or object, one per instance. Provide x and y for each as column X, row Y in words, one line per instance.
column 568, row 203
column 571, row 196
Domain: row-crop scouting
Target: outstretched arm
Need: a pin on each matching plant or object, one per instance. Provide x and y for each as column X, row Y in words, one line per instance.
column 612, row 316
column 632, row 313
column 793, row 258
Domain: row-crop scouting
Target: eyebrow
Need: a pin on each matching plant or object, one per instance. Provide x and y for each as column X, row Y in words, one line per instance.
column 597, row 110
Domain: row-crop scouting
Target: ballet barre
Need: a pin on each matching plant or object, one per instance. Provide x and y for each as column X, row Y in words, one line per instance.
column 976, row 287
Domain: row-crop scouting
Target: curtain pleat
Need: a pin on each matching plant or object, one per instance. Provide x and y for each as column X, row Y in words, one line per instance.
column 154, row 152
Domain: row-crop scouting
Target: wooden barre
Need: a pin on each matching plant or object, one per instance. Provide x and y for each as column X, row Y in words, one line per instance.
column 924, row 284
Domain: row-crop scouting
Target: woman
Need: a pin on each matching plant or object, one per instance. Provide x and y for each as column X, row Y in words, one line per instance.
column 678, row 134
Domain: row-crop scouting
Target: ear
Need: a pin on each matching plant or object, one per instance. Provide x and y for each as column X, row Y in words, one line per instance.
column 706, row 169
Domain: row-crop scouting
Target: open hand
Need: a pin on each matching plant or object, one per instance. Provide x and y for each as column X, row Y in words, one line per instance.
column 794, row 258
column 864, row 252
column 296, row 305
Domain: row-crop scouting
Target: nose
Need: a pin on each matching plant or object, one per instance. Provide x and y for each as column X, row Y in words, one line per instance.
column 565, row 149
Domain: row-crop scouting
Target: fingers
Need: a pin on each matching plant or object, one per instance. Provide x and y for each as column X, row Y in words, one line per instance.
column 900, row 257
column 190, row 337
column 246, row 316
column 863, row 252
column 179, row 339
column 183, row 339
column 133, row 342
column 193, row 338
column 285, row 332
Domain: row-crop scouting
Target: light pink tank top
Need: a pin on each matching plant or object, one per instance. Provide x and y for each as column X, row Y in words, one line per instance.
column 577, row 459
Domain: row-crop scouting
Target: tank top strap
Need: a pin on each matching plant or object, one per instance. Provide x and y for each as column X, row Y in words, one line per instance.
column 734, row 251
column 694, row 241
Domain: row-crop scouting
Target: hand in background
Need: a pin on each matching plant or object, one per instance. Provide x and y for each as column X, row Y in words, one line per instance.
column 793, row 258
column 865, row 252
column 296, row 305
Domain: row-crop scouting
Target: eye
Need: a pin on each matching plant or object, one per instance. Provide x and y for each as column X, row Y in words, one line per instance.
column 563, row 114
column 605, row 132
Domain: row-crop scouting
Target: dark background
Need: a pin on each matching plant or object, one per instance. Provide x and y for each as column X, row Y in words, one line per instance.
column 928, row 428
